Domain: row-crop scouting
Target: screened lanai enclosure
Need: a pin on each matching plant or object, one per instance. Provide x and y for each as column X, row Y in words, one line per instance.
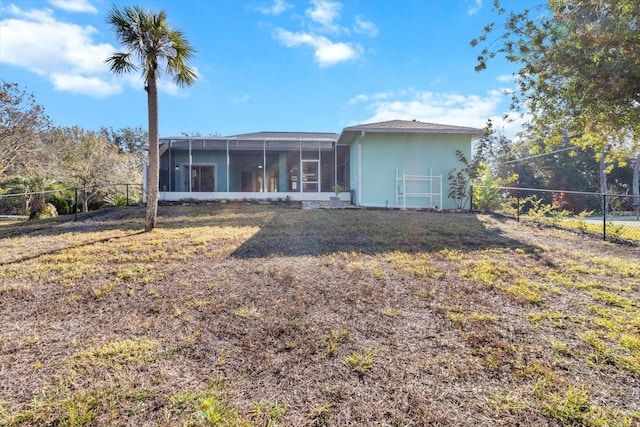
column 263, row 165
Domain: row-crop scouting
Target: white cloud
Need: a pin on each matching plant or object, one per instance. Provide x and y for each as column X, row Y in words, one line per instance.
column 64, row 53
column 327, row 53
column 435, row 107
column 507, row 78
column 93, row 86
column 325, row 13
column 358, row 99
column 475, row 7
column 365, row 27
column 74, row 5
column 278, row 7
column 323, row 22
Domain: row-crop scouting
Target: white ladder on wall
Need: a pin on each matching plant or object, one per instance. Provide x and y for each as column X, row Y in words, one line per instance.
column 416, row 188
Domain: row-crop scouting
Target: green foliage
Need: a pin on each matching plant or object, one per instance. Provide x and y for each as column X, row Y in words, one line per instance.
column 579, row 72
column 540, row 211
column 115, row 199
column 488, row 150
column 61, row 204
column 129, row 140
column 215, row 413
column 22, row 121
column 459, row 182
column 581, row 220
column 360, row 362
column 573, row 407
column 46, row 211
column 332, row 340
column 152, row 46
column 486, row 191
column 267, row 413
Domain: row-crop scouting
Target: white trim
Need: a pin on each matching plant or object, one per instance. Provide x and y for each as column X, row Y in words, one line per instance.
column 358, row 141
column 175, row 196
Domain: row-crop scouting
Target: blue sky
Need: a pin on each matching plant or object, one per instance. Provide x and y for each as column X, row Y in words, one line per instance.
column 265, row 65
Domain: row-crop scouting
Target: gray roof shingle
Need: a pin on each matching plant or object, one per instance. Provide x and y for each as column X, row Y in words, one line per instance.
column 413, row 125
column 349, row 134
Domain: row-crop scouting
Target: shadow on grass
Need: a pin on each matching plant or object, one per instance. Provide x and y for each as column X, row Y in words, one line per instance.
column 318, row 232
column 116, row 218
column 286, row 231
column 128, row 219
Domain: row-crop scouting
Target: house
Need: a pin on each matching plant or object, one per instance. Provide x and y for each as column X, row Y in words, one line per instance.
column 389, row 164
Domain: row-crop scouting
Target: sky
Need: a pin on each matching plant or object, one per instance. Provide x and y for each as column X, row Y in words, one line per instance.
column 265, row 65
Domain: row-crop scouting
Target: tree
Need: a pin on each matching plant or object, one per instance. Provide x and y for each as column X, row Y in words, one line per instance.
column 487, row 153
column 88, row 160
column 129, row 140
column 152, row 47
column 579, row 72
column 22, row 122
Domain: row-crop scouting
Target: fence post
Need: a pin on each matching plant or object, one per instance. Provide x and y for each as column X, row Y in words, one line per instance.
column 518, row 206
column 127, row 191
column 604, row 216
column 471, row 198
column 75, row 204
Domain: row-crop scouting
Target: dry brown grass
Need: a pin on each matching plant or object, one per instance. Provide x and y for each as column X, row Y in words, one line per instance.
column 265, row 315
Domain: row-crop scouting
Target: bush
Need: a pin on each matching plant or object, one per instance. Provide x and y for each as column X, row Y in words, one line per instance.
column 47, row 211
column 61, row 204
column 115, row 199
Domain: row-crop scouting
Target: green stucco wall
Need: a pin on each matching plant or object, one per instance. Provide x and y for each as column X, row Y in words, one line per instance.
column 413, row 154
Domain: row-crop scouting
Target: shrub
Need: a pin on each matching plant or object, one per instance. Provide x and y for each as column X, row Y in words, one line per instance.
column 61, row 204
column 115, row 199
column 47, row 211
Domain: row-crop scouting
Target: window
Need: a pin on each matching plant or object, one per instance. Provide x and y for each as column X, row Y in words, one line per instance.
column 202, row 178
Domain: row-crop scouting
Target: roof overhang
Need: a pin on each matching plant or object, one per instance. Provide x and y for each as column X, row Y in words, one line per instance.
column 350, row 134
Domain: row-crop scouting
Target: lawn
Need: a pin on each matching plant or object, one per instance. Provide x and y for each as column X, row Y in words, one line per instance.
column 259, row 315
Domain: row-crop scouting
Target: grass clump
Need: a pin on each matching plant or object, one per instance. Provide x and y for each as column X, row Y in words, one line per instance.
column 613, row 298
column 331, row 341
column 556, row 319
column 573, row 407
column 247, row 312
column 487, row 273
column 419, row 265
column 522, row 291
column 118, row 352
column 266, row 413
column 360, row 363
column 215, row 413
column 319, row 414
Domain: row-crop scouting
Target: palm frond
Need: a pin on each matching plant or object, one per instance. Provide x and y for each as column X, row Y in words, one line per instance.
column 120, row 63
column 150, row 45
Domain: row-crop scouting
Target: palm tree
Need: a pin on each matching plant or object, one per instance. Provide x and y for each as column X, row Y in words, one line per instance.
column 152, row 47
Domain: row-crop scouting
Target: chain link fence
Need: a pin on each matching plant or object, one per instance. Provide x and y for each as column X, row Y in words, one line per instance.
column 68, row 201
column 611, row 216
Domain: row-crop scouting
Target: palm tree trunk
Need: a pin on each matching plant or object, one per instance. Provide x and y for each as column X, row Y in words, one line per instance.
column 151, row 211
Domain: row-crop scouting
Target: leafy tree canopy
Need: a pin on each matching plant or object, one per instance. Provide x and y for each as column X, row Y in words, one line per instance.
column 22, row 122
column 579, row 73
